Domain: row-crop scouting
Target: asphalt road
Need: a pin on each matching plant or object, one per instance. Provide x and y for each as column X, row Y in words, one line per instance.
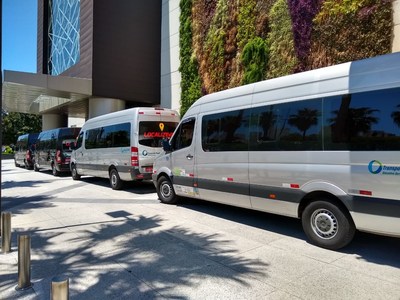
column 127, row 245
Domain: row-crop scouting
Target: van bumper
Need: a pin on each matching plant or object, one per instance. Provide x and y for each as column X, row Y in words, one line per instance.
column 63, row 168
column 137, row 175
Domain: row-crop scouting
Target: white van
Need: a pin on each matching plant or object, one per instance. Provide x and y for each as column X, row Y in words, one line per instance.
column 322, row 146
column 122, row 145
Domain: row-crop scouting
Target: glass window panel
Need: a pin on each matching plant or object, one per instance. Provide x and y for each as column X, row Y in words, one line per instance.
column 121, row 135
column 63, row 35
column 152, row 133
column 287, row 127
column 363, row 121
column 228, row 131
column 184, row 135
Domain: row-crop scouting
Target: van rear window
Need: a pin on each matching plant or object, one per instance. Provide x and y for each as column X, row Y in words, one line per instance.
column 152, row 133
column 67, row 145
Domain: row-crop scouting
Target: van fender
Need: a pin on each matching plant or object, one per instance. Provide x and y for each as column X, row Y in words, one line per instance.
column 324, row 186
column 164, row 170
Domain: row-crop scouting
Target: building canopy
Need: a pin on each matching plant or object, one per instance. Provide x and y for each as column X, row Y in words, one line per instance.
column 39, row 94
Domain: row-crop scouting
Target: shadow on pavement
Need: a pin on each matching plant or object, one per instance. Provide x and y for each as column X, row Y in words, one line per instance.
column 374, row 248
column 131, row 257
column 28, row 183
column 139, row 187
column 34, row 202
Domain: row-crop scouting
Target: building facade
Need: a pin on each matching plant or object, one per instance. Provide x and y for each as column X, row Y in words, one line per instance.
column 92, row 58
column 97, row 56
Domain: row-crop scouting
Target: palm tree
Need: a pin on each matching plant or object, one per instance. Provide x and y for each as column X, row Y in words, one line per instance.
column 357, row 120
column 304, row 119
column 396, row 116
column 267, row 122
column 361, row 120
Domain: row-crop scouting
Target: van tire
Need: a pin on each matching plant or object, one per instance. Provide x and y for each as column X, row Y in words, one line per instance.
column 327, row 225
column 54, row 170
column 74, row 173
column 115, row 181
column 165, row 191
column 35, row 167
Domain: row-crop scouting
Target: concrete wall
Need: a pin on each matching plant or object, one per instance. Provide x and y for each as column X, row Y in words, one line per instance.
column 51, row 121
column 170, row 76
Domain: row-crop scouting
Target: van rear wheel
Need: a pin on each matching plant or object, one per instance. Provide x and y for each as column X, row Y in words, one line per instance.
column 327, row 225
column 115, row 182
column 54, row 170
column 165, row 191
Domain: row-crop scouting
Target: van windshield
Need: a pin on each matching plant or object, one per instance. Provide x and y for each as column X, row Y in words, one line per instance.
column 151, row 133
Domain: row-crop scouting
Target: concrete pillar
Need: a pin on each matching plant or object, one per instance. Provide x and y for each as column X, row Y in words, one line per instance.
column 396, row 26
column 100, row 106
column 76, row 122
column 51, row 121
column 170, row 75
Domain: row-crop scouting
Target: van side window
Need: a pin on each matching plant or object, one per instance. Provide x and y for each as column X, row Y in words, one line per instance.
column 228, row 131
column 108, row 136
column 91, row 138
column 292, row 126
column 366, row 121
column 184, row 135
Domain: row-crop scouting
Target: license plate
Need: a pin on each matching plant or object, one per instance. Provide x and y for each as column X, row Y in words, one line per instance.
column 148, row 169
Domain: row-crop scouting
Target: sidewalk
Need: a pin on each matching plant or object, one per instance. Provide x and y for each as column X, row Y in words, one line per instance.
column 126, row 245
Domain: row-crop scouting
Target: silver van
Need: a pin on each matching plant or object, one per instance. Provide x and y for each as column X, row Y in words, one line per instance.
column 122, row 145
column 322, row 146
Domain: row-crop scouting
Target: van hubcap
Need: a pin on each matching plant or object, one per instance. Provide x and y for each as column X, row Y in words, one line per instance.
column 166, row 190
column 324, row 223
column 113, row 179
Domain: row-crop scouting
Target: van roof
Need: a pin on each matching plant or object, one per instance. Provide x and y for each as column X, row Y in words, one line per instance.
column 134, row 111
column 373, row 73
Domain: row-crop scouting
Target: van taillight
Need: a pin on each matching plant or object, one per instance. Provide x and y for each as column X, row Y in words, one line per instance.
column 58, row 156
column 134, row 157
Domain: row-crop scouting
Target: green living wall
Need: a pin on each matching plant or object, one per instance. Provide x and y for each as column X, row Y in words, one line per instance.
column 226, row 43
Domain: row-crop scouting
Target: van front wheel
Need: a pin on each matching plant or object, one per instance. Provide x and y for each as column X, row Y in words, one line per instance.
column 115, row 181
column 74, row 173
column 165, row 191
column 327, row 225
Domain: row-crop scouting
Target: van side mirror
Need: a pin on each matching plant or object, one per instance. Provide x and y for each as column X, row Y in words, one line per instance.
column 166, row 145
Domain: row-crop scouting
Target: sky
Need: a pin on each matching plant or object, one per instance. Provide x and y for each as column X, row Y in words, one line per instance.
column 19, row 25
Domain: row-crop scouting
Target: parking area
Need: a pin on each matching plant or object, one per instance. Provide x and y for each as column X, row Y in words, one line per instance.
column 127, row 245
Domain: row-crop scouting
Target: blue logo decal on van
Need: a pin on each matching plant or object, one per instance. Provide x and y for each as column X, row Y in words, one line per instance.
column 375, row 166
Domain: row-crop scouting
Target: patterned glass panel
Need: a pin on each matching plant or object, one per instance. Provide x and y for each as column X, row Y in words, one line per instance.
column 64, row 28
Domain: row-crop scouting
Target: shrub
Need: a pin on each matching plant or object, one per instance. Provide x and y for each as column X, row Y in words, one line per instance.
column 351, row 30
column 302, row 13
column 254, row 59
column 190, row 80
column 282, row 58
column 7, row 150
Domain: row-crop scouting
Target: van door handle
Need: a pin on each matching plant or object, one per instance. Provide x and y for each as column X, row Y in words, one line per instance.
column 189, row 156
